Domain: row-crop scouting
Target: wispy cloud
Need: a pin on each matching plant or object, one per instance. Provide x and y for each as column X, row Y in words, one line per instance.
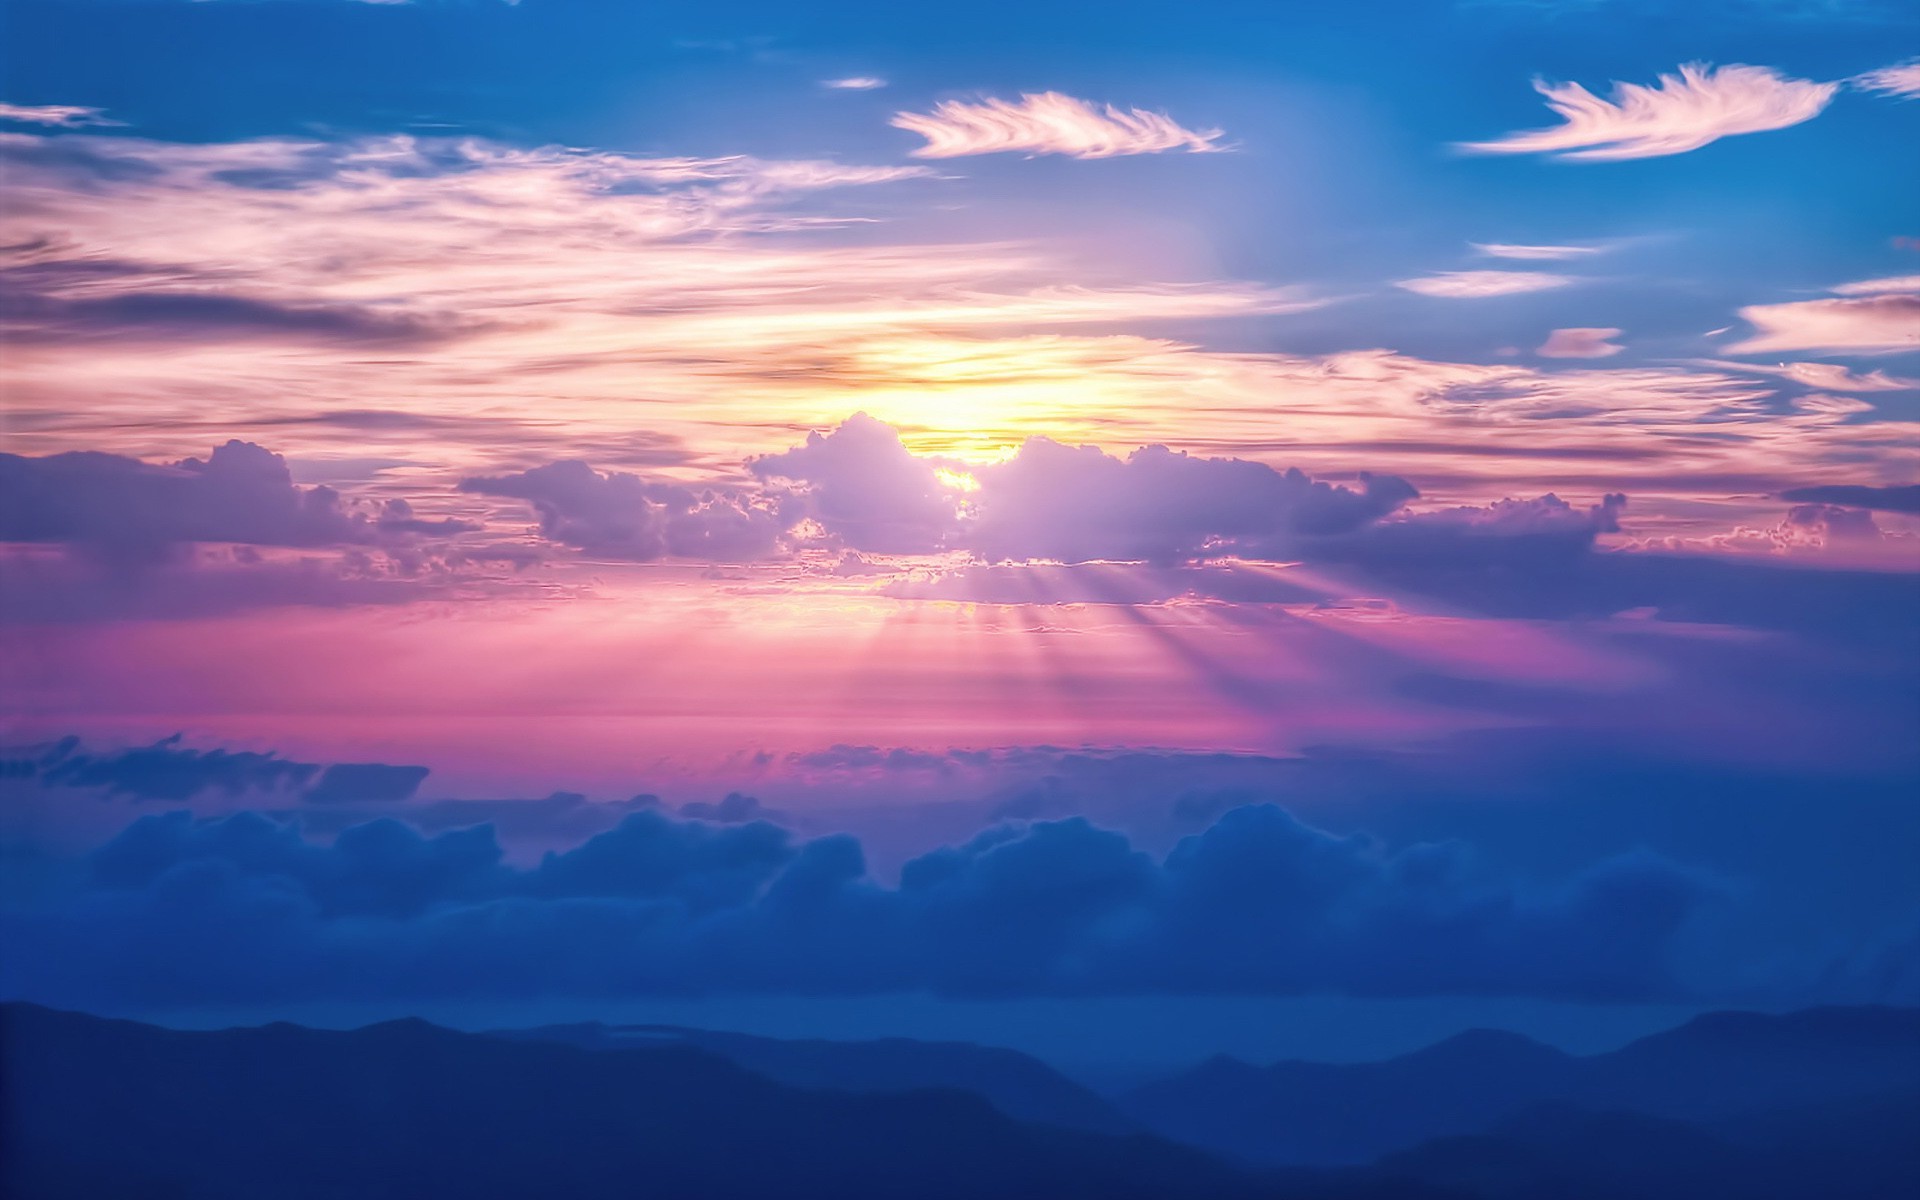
column 1867, row 324
column 1049, row 123
column 1879, row 287
column 1536, row 253
column 854, row 83
column 63, row 116
column 1869, row 316
column 1902, row 79
column 1688, row 110
column 1469, row 285
column 1581, row 343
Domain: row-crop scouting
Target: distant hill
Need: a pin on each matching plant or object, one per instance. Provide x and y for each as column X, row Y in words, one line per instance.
column 1020, row 1086
column 1716, row 1066
column 1849, row 1150
column 408, row 1111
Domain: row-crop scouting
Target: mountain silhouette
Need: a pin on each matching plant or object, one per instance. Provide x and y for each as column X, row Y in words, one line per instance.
column 102, row 1108
column 1020, row 1086
column 1716, row 1066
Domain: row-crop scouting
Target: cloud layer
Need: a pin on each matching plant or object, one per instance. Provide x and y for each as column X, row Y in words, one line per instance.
column 244, row 909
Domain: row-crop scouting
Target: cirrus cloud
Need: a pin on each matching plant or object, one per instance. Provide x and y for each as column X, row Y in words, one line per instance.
column 1049, row 123
column 1688, row 110
column 1901, row 79
column 1471, row 285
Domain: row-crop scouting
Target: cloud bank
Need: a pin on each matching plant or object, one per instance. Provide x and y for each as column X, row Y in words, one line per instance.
column 244, row 909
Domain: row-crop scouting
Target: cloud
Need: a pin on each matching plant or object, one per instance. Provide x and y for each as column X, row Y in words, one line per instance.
column 169, row 770
column 1049, row 123
column 1878, row 287
column 1701, row 104
column 1064, row 503
column 854, row 83
column 1901, row 79
column 244, row 908
column 130, row 510
column 1580, row 343
column 1827, row 377
column 863, row 484
column 618, row 515
column 1900, row 498
column 1466, row 285
column 62, row 116
column 1079, row 504
column 1866, row 324
column 1535, row 253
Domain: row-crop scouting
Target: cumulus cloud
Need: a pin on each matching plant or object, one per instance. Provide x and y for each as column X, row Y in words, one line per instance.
column 619, row 515
column 1901, row 79
column 244, row 908
column 130, row 509
column 1688, row 110
column 62, row 116
column 1049, row 123
column 1468, row 285
column 1066, row 503
column 1581, row 343
column 1077, row 504
column 863, row 484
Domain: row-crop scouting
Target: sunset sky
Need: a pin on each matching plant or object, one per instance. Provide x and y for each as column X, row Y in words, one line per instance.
column 1203, row 501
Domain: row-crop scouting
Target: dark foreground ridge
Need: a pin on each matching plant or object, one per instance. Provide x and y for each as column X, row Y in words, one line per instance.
column 100, row 1108
column 1735, row 1105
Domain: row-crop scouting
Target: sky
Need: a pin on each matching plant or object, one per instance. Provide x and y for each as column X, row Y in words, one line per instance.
column 1287, row 530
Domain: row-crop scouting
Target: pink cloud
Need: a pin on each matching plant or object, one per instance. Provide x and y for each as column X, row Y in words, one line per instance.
column 1470, row 285
column 1699, row 105
column 1049, row 123
column 1581, row 343
column 1901, row 79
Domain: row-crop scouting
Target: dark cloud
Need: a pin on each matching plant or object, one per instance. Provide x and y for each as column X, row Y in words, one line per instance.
column 172, row 315
column 1903, row 498
column 618, row 515
column 169, row 770
column 245, row 908
column 131, row 510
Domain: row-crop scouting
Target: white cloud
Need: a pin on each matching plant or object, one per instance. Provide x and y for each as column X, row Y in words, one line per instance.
column 1468, row 285
column 1581, row 343
column 1879, row 287
column 1049, row 123
column 1866, row 324
column 63, row 116
column 1535, row 253
column 1686, row 111
column 854, row 83
column 1902, row 79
